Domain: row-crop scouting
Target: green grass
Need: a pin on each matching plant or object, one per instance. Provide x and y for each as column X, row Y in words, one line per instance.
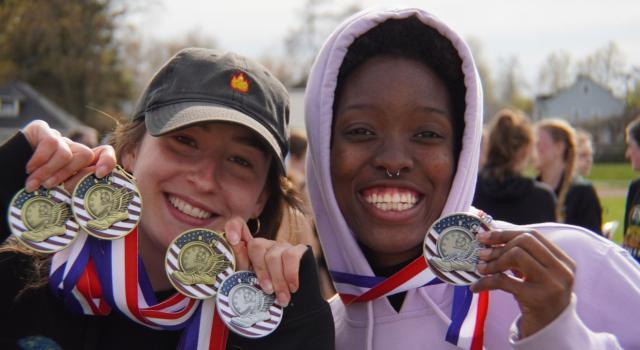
column 611, row 181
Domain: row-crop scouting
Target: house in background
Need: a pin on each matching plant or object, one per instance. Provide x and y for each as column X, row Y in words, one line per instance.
column 20, row 104
column 588, row 105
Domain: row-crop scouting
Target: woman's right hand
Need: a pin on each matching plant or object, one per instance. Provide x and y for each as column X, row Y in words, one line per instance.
column 56, row 158
column 276, row 264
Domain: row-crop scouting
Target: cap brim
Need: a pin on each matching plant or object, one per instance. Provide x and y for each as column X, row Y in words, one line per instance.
column 180, row 115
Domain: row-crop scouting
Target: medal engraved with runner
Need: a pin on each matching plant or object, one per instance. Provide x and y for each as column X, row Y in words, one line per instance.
column 107, row 208
column 197, row 261
column 245, row 308
column 451, row 247
column 42, row 219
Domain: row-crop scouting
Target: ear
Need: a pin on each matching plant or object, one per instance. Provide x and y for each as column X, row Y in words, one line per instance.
column 261, row 202
column 129, row 159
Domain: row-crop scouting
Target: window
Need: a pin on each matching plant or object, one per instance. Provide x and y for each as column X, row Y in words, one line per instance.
column 9, row 107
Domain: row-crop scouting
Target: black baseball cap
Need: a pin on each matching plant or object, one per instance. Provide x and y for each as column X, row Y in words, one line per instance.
column 199, row 85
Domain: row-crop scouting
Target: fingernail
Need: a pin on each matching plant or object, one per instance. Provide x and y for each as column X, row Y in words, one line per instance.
column 283, row 299
column 102, row 171
column 50, row 182
column 267, row 287
column 481, row 266
column 32, row 185
column 484, row 253
column 293, row 288
column 232, row 236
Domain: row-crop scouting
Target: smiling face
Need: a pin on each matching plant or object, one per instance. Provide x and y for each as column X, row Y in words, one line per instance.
column 199, row 176
column 393, row 114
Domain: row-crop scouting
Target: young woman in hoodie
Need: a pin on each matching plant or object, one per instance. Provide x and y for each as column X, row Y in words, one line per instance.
column 502, row 190
column 394, row 120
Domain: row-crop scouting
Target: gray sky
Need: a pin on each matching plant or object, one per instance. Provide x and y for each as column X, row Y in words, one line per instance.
column 530, row 29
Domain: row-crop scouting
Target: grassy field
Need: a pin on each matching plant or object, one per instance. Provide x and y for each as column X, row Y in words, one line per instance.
column 611, row 182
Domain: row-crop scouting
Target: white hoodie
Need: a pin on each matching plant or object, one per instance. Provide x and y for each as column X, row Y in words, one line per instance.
column 604, row 312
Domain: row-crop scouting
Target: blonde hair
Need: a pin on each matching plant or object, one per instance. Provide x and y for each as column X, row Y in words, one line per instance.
column 561, row 131
column 509, row 133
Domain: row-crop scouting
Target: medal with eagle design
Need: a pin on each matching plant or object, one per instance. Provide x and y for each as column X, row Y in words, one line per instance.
column 451, row 247
column 197, row 261
column 107, row 208
column 245, row 308
column 42, row 220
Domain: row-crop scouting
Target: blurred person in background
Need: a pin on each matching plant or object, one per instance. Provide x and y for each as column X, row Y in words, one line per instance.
column 584, row 155
column 631, row 231
column 577, row 201
column 502, row 190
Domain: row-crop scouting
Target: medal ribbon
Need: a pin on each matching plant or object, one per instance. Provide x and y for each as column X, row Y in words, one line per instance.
column 93, row 276
column 469, row 310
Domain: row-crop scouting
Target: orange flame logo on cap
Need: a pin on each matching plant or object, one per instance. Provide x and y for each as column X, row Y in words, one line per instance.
column 240, row 83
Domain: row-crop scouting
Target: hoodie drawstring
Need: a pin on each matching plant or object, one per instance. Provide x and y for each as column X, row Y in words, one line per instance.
column 370, row 325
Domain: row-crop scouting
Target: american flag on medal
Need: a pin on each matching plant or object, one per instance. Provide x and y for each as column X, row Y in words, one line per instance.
column 466, row 221
column 17, row 224
column 199, row 290
column 118, row 229
column 259, row 329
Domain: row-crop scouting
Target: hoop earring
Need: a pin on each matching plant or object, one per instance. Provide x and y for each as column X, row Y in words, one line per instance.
column 257, row 226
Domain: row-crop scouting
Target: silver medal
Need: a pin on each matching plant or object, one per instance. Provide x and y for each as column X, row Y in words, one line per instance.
column 451, row 247
column 245, row 308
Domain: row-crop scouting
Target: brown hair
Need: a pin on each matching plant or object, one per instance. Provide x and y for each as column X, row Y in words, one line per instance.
column 509, row 133
column 561, row 131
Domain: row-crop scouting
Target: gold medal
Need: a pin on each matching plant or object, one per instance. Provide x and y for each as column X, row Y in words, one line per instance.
column 197, row 261
column 107, row 208
column 42, row 220
column 451, row 247
column 245, row 308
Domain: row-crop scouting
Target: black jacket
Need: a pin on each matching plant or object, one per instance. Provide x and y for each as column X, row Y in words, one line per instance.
column 632, row 220
column 34, row 318
column 582, row 206
column 516, row 199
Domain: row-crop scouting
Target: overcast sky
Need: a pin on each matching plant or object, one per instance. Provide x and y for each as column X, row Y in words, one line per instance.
column 528, row 29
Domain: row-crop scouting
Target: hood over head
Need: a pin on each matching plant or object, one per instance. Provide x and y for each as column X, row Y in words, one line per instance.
column 339, row 244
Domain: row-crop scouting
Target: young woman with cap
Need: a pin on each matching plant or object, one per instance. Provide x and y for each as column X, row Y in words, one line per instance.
column 206, row 146
column 394, row 119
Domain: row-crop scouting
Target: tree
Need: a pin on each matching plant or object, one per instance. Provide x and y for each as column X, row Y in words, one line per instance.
column 607, row 66
column 512, row 85
column 555, row 73
column 490, row 102
column 66, row 50
column 317, row 19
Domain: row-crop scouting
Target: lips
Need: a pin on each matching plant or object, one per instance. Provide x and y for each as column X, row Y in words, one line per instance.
column 188, row 209
column 390, row 198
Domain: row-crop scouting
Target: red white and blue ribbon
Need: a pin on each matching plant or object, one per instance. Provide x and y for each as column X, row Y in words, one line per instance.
column 468, row 313
column 94, row 276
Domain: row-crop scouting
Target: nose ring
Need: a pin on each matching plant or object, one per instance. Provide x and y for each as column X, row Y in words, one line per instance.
column 392, row 175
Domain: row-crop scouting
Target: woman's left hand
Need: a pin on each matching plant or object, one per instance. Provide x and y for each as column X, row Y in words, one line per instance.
column 542, row 274
column 276, row 264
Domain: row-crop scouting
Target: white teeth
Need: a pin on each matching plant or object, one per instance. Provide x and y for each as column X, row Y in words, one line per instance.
column 396, row 201
column 186, row 208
